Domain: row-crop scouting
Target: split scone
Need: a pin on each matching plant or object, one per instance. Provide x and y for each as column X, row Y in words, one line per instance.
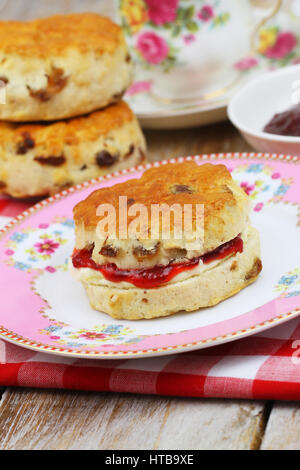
column 62, row 66
column 147, row 266
column 42, row 159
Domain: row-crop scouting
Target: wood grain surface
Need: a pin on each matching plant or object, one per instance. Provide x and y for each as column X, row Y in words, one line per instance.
column 283, row 429
column 58, row 420
column 221, row 137
column 55, row 419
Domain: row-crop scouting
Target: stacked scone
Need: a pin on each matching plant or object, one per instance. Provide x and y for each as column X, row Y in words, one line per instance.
column 64, row 120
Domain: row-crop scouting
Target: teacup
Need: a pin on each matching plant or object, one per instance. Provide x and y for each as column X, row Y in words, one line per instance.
column 187, row 49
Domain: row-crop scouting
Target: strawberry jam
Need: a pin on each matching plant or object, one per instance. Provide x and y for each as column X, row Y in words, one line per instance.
column 147, row 278
column 286, row 123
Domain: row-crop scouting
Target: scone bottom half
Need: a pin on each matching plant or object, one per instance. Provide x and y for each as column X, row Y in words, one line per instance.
column 145, row 277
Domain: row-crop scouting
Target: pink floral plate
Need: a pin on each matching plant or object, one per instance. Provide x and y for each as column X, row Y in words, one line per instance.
column 44, row 309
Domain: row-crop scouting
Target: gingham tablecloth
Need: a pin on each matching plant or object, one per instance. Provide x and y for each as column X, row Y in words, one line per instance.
column 263, row 366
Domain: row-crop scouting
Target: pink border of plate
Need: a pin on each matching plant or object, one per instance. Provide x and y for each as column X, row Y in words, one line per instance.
column 271, row 314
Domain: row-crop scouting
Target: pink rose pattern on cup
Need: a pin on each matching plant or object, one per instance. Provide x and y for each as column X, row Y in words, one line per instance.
column 153, row 48
column 161, row 29
column 275, row 48
column 162, row 12
column 246, row 63
column 206, row 13
column 285, row 44
column 142, row 86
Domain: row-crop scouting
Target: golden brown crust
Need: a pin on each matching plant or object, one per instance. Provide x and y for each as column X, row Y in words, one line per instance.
column 42, row 159
column 204, row 184
column 55, row 35
column 52, row 137
column 225, row 205
column 62, row 67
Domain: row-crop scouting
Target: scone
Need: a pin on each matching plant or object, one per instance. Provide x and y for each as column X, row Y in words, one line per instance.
column 62, row 66
column 154, row 272
column 42, row 159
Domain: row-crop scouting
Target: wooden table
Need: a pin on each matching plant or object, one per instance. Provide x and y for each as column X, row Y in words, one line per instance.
column 53, row 419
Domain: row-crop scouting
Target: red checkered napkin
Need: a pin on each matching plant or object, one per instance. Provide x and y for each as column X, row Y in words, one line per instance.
column 263, row 366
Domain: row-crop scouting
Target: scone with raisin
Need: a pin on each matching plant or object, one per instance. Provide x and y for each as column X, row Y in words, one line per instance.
column 62, row 66
column 42, row 159
column 157, row 271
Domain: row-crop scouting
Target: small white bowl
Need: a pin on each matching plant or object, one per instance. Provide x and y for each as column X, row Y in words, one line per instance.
column 254, row 105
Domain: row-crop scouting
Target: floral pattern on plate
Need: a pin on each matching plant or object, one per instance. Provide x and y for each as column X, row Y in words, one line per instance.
column 107, row 335
column 262, row 183
column 35, row 250
column 289, row 284
column 38, row 248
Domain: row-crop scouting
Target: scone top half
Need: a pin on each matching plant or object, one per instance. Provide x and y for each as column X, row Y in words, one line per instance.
column 62, row 66
column 39, row 159
column 222, row 215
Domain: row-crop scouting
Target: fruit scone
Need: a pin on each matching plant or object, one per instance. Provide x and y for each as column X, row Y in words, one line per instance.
column 62, row 66
column 157, row 271
column 43, row 158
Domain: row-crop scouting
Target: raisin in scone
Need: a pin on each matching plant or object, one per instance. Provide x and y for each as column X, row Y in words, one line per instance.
column 62, row 66
column 42, row 159
column 147, row 276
